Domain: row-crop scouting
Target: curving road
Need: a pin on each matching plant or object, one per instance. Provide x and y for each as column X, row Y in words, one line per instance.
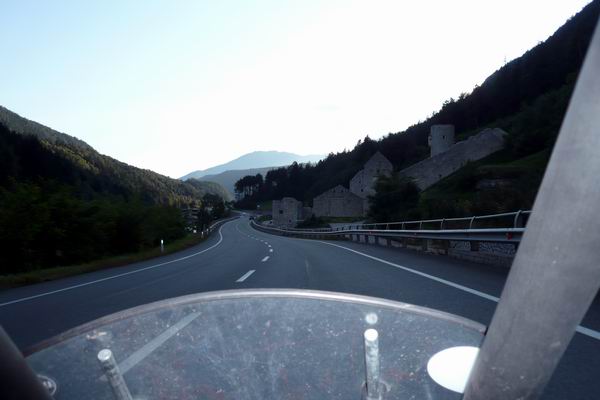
column 238, row 256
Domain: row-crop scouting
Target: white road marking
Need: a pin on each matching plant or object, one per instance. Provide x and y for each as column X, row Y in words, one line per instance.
column 246, row 275
column 115, row 276
column 155, row 343
column 270, row 250
column 581, row 329
column 265, row 259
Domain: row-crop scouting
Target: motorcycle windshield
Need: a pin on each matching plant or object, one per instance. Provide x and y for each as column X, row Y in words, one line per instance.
column 255, row 344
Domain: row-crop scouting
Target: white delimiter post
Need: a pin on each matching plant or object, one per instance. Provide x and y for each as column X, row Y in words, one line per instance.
column 556, row 272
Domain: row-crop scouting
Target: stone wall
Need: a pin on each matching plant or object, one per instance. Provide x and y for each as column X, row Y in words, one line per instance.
column 337, row 202
column 431, row 170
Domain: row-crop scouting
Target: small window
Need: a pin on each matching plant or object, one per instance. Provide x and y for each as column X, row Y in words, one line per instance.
column 444, row 137
column 280, row 211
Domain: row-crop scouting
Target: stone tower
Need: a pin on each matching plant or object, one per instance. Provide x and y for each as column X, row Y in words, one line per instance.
column 441, row 138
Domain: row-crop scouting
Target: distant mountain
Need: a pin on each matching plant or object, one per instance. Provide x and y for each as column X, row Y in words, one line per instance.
column 99, row 173
column 228, row 179
column 256, row 159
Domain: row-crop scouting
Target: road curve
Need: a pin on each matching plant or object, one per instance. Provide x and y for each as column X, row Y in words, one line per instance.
column 238, row 256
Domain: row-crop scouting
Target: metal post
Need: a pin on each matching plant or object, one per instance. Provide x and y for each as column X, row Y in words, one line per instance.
column 516, row 221
column 372, row 364
column 17, row 380
column 556, row 272
column 113, row 374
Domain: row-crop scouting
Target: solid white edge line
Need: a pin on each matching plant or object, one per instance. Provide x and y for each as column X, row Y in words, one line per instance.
column 581, row 329
column 413, row 271
column 116, row 276
column 265, row 259
column 246, row 275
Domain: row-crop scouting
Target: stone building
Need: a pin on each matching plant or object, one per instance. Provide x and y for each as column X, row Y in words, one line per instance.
column 353, row 202
column 287, row 212
column 363, row 183
column 337, row 202
column 441, row 138
column 445, row 161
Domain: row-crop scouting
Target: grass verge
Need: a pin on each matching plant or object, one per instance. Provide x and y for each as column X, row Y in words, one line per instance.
column 48, row 274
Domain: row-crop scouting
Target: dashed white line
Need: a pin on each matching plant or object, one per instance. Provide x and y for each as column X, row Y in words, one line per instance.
column 246, row 275
column 115, row 276
column 265, row 259
column 270, row 250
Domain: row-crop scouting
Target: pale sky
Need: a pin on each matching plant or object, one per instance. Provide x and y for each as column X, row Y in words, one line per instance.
column 176, row 86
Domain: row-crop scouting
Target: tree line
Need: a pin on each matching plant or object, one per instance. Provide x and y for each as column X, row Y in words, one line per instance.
column 57, row 211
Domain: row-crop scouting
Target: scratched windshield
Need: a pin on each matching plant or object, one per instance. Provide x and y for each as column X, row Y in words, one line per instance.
column 274, row 344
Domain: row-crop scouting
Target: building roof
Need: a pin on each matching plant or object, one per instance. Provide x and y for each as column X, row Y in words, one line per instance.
column 379, row 158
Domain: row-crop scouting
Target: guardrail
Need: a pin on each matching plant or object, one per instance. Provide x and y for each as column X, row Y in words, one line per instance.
column 434, row 229
column 214, row 226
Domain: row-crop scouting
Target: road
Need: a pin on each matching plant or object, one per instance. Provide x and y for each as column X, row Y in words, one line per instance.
column 237, row 256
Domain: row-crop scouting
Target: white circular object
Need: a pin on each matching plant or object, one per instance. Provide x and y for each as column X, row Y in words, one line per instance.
column 371, row 318
column 371, row 335
column 104, row 355
column 451, row 367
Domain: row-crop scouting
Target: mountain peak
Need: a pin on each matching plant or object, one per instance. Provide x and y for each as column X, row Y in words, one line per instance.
column 256, row 159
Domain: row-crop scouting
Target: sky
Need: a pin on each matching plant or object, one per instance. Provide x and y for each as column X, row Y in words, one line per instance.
column 176, row 86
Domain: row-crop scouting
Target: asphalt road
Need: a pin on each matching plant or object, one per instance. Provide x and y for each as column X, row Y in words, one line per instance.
column 238, row 256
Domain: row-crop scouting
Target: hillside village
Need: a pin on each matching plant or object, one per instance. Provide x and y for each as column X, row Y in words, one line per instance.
column 446, row 157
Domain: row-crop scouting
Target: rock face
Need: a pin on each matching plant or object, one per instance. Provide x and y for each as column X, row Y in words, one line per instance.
column 287, row 212
column 429, row 171
column 338, row 202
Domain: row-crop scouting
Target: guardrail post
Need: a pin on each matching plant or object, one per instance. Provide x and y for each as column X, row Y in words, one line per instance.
column 471, row 222
column 474, row 245
column 442, row 224
column 424, row 244
column 518, row 221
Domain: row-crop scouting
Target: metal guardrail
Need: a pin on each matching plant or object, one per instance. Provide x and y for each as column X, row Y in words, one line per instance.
column 510, row 234
column 516, row 219
column 211, row 228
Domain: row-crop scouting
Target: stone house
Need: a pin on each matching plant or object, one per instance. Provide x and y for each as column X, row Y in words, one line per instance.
column 338, row 202
column 287, row 212
column 363, row 183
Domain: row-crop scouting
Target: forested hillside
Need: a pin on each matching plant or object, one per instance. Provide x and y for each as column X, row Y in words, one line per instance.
column 62, row 203
column 526, row 97
column 109, row 174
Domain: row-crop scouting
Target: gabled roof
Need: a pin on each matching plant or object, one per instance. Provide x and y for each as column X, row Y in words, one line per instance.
column 379, row 158
column 336, row 189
